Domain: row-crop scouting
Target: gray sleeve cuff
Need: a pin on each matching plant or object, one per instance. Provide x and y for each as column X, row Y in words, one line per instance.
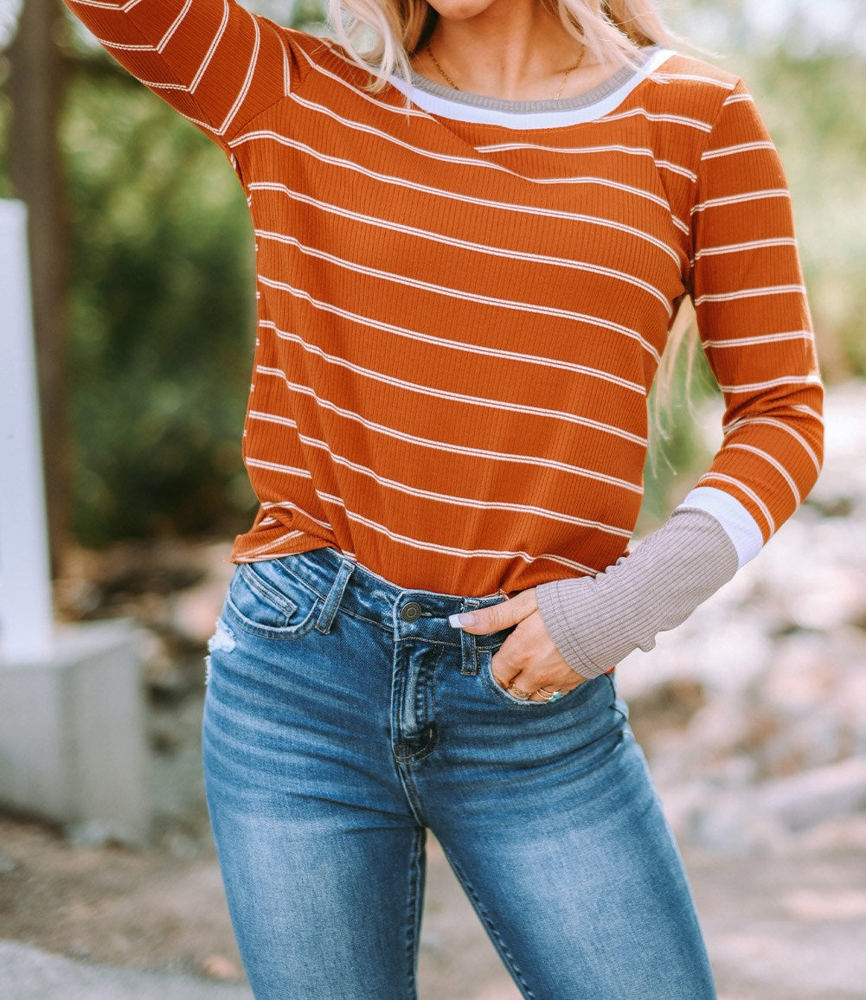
column 597, row 621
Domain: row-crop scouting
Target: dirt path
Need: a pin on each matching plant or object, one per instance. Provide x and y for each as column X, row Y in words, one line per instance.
column 791, row 927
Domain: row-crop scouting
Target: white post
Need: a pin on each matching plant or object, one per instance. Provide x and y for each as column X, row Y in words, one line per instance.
column 26, row 620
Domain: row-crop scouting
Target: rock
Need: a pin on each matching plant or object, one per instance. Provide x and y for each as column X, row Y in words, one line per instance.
column 88, row 833
column 814, row 796
column 220, row 967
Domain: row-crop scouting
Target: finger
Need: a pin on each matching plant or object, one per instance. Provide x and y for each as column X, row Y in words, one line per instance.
column 504, row 675
column 483, row 621
column 529, row 661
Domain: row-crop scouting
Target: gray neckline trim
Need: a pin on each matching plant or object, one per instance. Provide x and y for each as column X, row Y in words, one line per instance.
column 578, row 102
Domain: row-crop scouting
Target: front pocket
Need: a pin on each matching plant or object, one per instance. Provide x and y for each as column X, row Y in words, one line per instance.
column 485, row 659
column 569, row 698
column 266, row 599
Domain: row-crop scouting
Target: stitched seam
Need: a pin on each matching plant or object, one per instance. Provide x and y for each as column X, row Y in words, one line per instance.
column 415, row 899
column 498, row 940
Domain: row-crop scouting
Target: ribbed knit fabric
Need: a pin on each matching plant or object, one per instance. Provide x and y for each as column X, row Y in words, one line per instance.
column 595, row 622
column 459, row 318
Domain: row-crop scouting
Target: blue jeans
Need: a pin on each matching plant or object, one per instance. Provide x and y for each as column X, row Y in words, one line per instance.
column 343, row 718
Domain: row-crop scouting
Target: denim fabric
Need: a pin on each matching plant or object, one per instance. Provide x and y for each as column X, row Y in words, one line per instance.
column 343, row 718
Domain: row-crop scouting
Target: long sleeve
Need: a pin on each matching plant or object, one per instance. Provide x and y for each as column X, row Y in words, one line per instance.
column 754, row 324
column 755, row 328
column 213, row 61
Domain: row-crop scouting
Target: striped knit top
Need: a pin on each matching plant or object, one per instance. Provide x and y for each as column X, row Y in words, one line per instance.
column 462, row 302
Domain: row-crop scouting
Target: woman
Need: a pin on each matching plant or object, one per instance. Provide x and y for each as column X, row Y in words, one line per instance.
column 470, row 249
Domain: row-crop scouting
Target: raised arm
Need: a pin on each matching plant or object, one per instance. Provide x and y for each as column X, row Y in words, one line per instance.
column 213, row 61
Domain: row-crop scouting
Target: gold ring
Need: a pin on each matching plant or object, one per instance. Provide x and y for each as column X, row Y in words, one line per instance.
column 519, row 693
column 551, row 695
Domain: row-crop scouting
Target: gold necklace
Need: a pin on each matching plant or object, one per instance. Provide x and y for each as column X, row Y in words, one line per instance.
column 565, row 75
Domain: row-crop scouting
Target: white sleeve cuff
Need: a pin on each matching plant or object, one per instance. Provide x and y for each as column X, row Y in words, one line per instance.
column 739, row 524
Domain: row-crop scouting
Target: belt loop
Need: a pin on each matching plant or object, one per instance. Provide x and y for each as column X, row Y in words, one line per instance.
column 469, row 644
column 335, row 595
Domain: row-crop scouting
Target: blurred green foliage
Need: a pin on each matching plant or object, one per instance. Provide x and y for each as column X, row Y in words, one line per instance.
column 162, row 317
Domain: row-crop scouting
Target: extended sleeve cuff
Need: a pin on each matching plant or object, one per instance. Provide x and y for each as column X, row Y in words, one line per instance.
column 595, row 622
column 740, row 526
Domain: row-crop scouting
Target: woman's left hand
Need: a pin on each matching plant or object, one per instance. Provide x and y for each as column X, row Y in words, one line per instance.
column 528, row 664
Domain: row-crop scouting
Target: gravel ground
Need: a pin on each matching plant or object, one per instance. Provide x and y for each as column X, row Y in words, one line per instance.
column 780, row 928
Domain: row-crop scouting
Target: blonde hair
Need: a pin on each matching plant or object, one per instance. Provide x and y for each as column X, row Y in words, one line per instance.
column 381, row 35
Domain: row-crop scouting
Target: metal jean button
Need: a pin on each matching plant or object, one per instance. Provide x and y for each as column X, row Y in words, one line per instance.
column 411, row 612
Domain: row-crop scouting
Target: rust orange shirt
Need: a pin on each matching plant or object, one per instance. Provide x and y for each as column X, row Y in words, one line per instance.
column 462, row 303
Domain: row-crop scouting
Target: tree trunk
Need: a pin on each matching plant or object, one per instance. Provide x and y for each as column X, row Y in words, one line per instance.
column 36, row 91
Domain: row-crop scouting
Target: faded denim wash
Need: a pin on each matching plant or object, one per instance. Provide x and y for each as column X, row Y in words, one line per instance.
column 343, row 718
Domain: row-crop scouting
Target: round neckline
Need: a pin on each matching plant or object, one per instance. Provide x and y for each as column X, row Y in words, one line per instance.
column 618, row 80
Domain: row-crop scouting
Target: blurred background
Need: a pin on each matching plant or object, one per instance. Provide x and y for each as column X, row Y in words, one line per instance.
column 753, row 715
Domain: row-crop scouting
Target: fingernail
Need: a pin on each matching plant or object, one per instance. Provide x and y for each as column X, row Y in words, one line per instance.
column 459, row 621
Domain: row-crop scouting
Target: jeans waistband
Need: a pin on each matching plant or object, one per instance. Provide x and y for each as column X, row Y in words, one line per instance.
column 346, row 585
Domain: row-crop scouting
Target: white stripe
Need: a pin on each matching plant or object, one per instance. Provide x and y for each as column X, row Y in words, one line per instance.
column 739, row 199
column 287, row 470
column 120, row 9
column 753, row 496
column 401, row 109
column 779, row 425
column 723, row 84
column 446, row 498
column 207, row 126
column 781, row 241
column 777, row 465
column 475, row 161
column 676, row 168
column 402, row 279
column 248, row 557
column 447, row 549
column 802, row 408
column 737, row 99
column 214, row 45
column 505, row 304
column 158, row 85
column 412, row 439
column 287, row 73
column 288, row 505
column 166, row 38
column 451, row 195
column 123, row 48
column 702, row 126
column 771, row 384
column 492, row 352
column 457, row 397
column 504, row 147
column 743, row 147
column 770, row 338
column 248, row 79
column 751, row 293
column 426, row 234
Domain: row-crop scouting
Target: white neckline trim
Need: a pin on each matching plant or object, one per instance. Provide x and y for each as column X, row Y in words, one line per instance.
column 489, row 111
